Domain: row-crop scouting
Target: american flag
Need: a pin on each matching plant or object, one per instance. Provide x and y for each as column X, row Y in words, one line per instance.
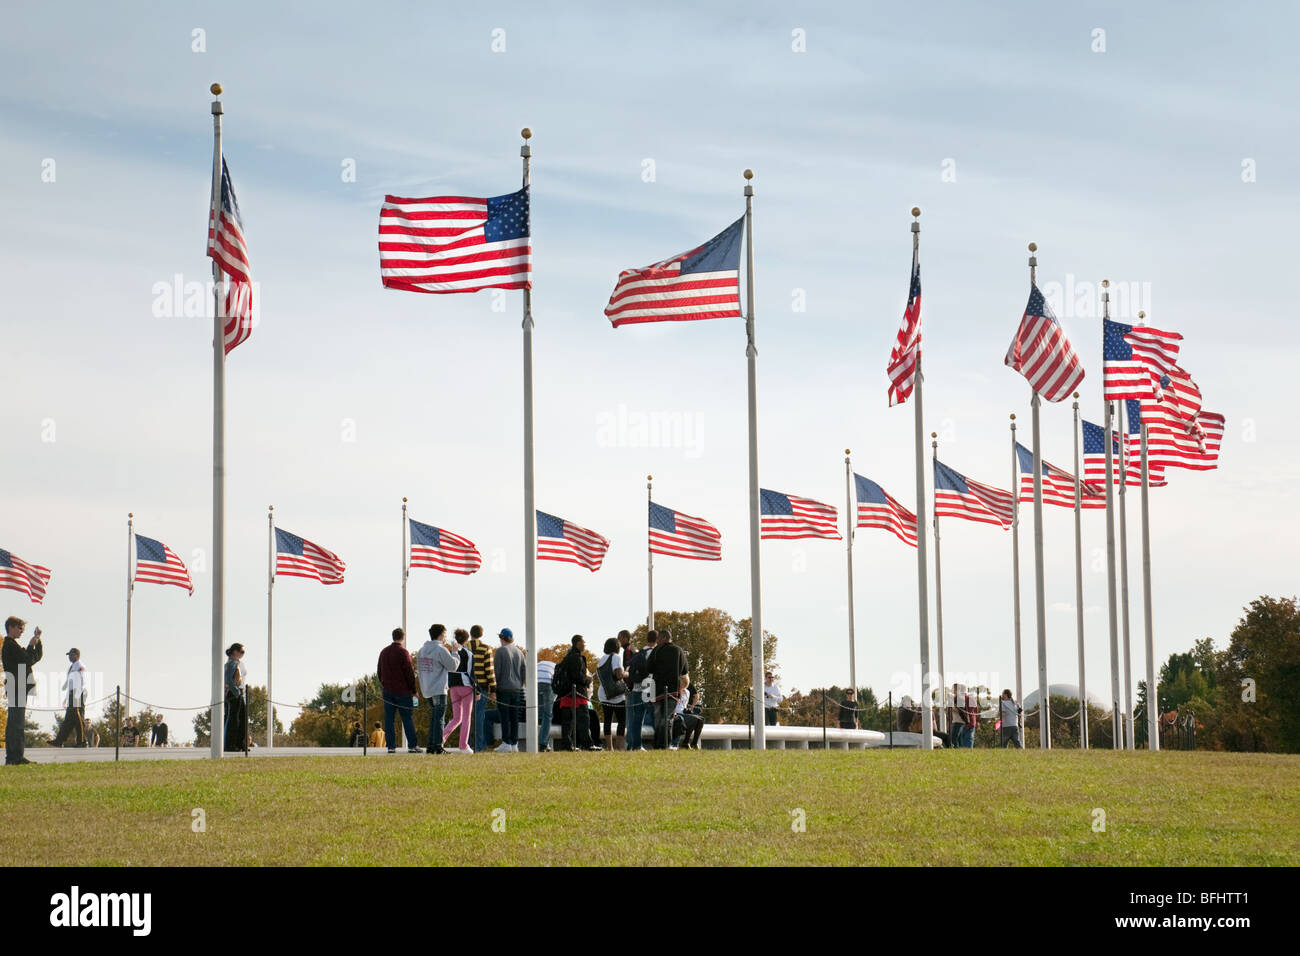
column 296, row 557
column 703, row 283
column 907, row 348
column 443, row 551
column 1175, row 394
column 1130, row 355
column 18, row 575
column 455, row 243
column 1058, row 484
column 1041, row 352
column 226, row 246
column 560, row 540
column 877, row 509
column 155, row 563
column 956, row 496
column 682, row 536
column 1176, row 443
column 790, row 517
column 1094, row 460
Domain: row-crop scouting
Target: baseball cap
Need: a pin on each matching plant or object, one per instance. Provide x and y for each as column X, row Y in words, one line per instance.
column 74, row 651
column 507, row 633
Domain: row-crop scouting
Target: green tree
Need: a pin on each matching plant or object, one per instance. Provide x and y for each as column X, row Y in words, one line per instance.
column 256, row 720
column 1262, row 661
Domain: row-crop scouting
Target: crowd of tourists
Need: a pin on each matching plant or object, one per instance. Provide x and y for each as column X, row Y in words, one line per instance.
column 645, row 695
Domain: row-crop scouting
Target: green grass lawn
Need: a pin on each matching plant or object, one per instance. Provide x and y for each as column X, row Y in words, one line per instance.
column 707, row 807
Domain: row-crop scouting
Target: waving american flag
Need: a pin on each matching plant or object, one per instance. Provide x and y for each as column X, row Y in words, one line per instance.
column 560, row 540
column 682, row 536
column 226, row 246
column 155, row 563
column 1041, row 352
column 19, row 575
column 703, row 283
column 877, row 509
column 906, row 353
column 441, row 550
column 296, row 557
column 789, row 517
column 1058, row 484
column 956, row 496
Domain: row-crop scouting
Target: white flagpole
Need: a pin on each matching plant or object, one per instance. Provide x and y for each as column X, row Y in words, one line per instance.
column 1129, row 743
column 938, row 610
column 1117, row 738
column 755, row 578
column 530, row 503
column 650, row 562
column 1015, row 560
column 1078, row 581
column 922, row 561
column 130, row 591
column 1044, row 704
column 218, row 450
column 848, row 539
column 270, row 619
column 1153, row 705
column 406, row 567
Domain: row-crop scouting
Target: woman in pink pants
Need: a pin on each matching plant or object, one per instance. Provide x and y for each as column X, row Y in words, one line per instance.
column 460, row 683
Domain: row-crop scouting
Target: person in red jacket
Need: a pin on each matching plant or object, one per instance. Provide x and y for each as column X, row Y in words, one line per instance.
column 397, row 678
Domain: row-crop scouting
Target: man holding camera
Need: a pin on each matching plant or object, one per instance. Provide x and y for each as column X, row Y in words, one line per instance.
column 19, row 684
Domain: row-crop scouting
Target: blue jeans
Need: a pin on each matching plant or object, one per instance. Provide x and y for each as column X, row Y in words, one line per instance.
column 437, row 714
column 511, row 705
column 545, row 705
column 393, row 704
column 635, row 714
column 480, row 724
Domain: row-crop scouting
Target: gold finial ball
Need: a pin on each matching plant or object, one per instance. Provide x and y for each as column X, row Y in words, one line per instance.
column 1142, row 315
column 649, row 477
column 1033, row 247
column 403, row 499
column 216, row 89
column 934, row 434
column 916, row 210
column 1013, row 416
column 130, row 514
column 1076, row 394
column 1105, row 283
column 847, row 452
column 526, row 133
column 749, row 174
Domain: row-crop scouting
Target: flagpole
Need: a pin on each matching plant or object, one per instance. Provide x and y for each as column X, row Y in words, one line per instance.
column 1015, row 559
column 650, row 563
column 1078, row 581
column 270, row 619
column 922, row 561
column 1127, row 722
column 130, row 591
column 938, row 611
column 1153, row 707
column 1044, row 704
column 1116, row 728
column 848, row 538
column 406, row 567
column 755, row 579
column 218, row 448
column 530, row 504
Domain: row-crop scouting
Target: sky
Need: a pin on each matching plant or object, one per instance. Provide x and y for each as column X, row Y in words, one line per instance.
column 1152, row 146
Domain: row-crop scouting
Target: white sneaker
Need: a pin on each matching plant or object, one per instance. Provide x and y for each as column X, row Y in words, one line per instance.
column 463, row 750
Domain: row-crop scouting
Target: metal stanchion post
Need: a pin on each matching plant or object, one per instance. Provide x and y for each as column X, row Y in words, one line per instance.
column 117, row 725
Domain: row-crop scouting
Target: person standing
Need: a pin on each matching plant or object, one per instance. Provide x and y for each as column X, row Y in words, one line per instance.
column 485, row 685
column 74, row 698
column 571, row 682
column 545, row 703
column 434, row 662
column 377, row 735
column 612, row 694
column 1009, row 713
column 20, row 682
column 158, row 733
column 956, row 718
column 397, row 679
column 460, row 684
column 848, row 717
column 772, row 698
column 508, row 662
column 236, row 729
column 634, row 705
column 667, row 668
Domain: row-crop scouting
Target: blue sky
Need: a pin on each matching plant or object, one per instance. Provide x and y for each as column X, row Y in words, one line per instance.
column 1125, row 164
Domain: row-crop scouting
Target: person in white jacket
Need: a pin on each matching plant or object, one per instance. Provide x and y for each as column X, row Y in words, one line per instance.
column 74, row 697
column 433, row 661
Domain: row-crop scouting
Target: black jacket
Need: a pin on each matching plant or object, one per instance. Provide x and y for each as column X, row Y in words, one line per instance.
column 667, row 667
column 574, row 671
column 18, row 659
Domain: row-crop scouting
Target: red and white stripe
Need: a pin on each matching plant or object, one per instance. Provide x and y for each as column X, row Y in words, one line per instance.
column 20, row 575
column 1155, row 352
column 811, row 519
column 171, row 571
column 1042, row 353
column 454, row 554
column 227, row 246
column 694, row 538
column 892, row 517
column 660, row 293
column 1173, row 443
column 1094, row 469
column 906, row 353
column 314, row 562
column 1058, row 489
column 984, row 504
column 438, row 245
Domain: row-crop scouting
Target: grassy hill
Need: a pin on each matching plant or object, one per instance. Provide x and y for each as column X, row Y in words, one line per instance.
column 706, row 807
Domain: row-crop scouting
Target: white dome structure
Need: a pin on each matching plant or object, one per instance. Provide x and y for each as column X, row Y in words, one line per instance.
column 1059, row 690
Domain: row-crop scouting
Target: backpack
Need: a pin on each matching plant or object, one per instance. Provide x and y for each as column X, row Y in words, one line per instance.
column 611, row 685
column 561, row 682
column 638, row 668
